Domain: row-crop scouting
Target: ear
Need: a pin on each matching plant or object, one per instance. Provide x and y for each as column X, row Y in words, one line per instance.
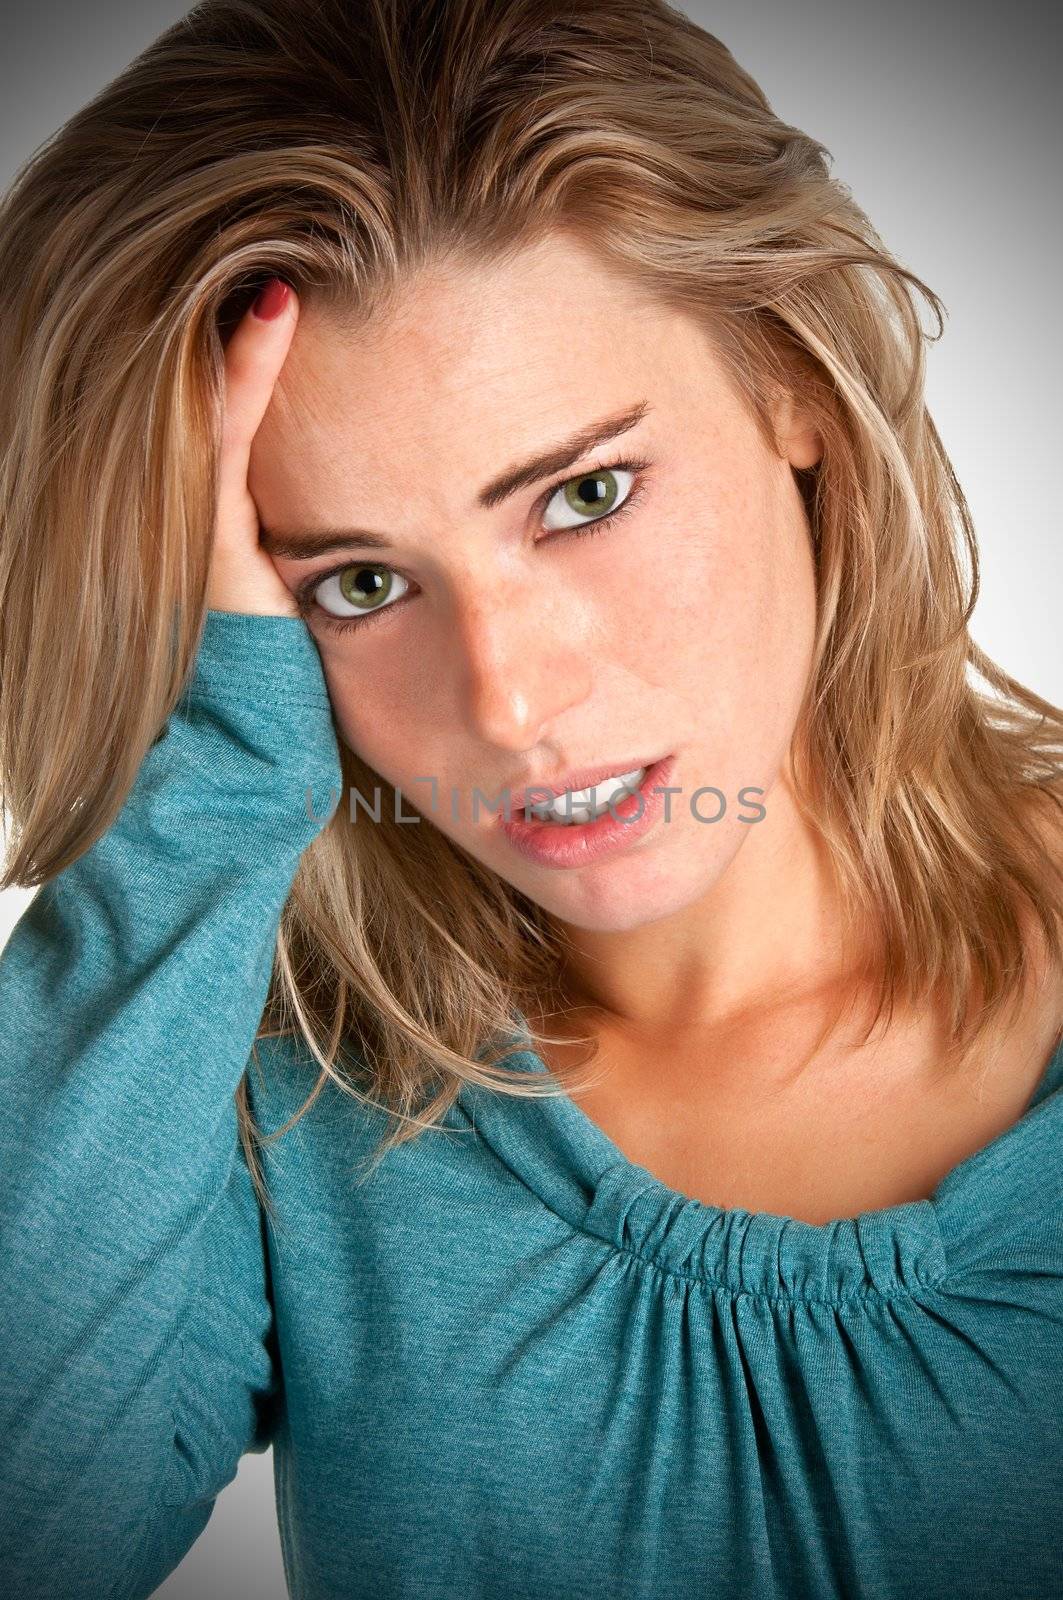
column 798, row 440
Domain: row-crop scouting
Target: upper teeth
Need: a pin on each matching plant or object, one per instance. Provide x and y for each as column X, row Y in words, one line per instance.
column 582, row 805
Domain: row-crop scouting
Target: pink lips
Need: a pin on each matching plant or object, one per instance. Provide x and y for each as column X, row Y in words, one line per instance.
column 583, row 778
column 579, row 844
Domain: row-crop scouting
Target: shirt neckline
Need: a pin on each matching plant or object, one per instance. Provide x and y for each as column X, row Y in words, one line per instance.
column 581, row 1175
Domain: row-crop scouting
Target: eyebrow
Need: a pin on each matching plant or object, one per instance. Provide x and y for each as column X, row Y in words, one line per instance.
column 303, row 544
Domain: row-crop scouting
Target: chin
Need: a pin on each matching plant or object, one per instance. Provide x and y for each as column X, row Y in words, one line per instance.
column 620, row 901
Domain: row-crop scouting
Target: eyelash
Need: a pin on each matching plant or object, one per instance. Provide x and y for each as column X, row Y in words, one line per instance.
column 304, row 595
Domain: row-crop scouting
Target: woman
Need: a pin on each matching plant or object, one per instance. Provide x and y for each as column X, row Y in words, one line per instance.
column 422, row 403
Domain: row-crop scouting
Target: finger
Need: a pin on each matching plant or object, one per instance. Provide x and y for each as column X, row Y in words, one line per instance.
column 254, row 356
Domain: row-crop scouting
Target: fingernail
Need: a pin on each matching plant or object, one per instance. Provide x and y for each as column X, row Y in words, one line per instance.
column 272, row 300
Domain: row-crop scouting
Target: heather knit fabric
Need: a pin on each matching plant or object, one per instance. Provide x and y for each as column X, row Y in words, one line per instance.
column 511, row 1364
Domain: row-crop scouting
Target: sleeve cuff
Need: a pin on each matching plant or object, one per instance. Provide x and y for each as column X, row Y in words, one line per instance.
column 246, row 654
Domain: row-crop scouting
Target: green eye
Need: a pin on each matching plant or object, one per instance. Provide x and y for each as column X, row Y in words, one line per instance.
column 593, row 494
column 363, row 586
column 360, row 587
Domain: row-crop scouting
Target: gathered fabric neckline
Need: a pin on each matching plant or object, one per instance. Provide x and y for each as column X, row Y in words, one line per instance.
column 577, row 1170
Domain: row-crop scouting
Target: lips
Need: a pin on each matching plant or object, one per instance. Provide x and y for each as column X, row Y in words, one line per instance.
column 583, row 778
column 572, row 846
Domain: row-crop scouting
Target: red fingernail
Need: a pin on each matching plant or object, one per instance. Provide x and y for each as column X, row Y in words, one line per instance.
column 272, row 300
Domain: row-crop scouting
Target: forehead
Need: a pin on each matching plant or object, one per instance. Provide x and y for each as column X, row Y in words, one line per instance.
column 544, row 339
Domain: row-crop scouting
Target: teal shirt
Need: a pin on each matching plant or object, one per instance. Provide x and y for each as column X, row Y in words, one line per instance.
column 512, row 1365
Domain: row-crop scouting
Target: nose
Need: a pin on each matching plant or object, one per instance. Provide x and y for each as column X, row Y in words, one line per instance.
column 524, row 664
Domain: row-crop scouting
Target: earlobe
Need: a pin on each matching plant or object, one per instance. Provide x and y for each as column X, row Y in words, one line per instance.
column 805, row 447
column 799, row 441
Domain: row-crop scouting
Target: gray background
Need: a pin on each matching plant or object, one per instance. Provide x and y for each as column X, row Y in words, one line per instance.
column 945, row 121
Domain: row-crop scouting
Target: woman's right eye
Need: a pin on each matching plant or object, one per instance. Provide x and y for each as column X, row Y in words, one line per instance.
column 355, row 593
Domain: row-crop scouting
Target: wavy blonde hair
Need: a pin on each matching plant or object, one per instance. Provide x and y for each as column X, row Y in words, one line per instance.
column 345, row 146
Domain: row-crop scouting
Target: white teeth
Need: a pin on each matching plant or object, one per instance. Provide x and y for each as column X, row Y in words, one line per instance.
column 584, row 805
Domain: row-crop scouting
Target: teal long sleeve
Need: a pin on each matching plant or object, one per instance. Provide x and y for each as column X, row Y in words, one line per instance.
column 135, row 1326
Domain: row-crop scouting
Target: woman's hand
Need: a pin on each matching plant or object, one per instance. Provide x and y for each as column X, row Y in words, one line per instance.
column 242, row 575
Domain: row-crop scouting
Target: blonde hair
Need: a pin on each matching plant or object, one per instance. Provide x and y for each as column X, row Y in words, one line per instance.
column 346, row 146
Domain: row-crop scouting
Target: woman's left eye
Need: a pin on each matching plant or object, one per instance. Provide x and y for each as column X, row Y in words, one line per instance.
column 593, row 496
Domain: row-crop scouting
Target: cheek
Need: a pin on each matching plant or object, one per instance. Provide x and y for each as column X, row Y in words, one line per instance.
column 698, row 603
column 642, row 596
column 360, row 711
column 727, row 632
column 405, row 735
column 386, row 696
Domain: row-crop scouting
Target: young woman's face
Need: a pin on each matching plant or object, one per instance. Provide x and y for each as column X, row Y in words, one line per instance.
column 494, row 646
